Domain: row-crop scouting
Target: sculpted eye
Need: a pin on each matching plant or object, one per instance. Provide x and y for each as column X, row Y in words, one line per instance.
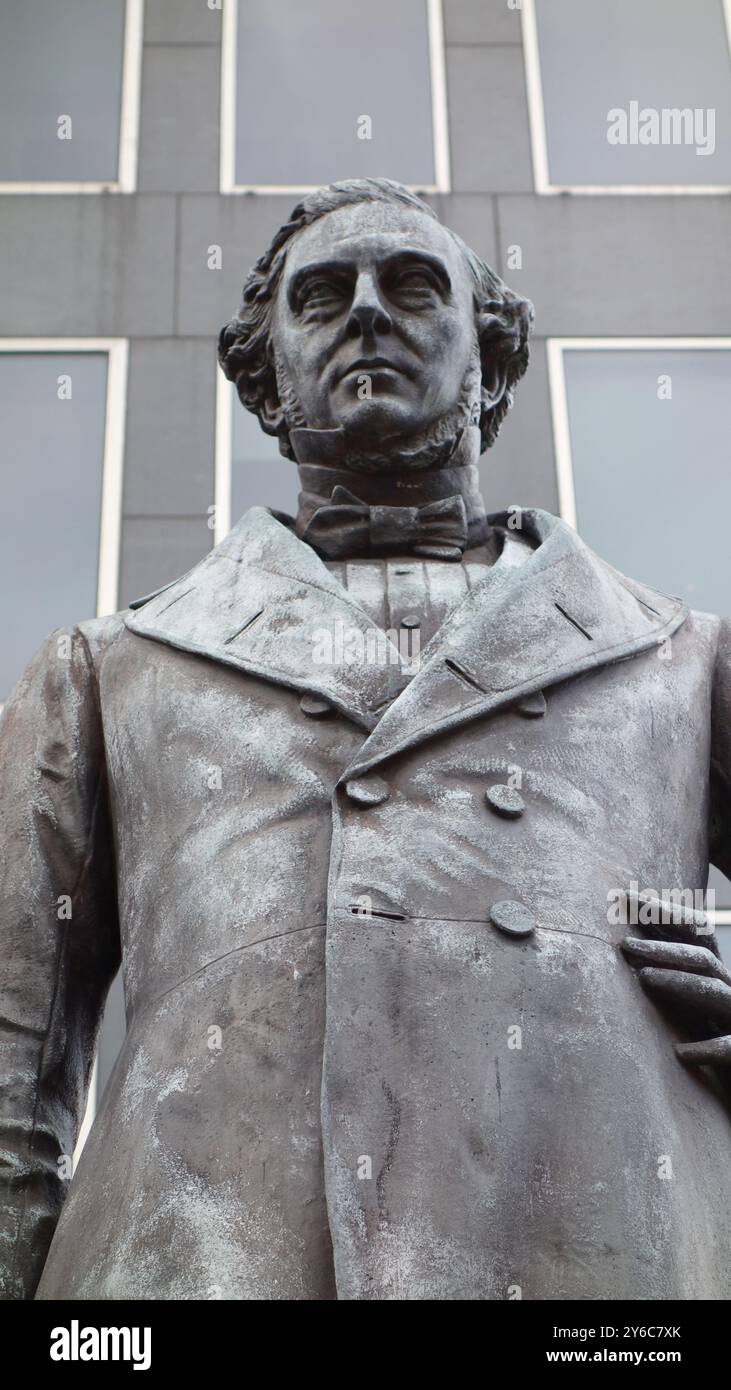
column 415, row 285
column 415, row 280
column 318, row 292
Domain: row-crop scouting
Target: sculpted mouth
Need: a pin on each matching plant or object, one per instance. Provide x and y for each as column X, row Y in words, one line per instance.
column 369, row 364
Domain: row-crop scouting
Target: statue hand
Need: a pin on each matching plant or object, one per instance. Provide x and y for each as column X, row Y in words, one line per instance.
column 694, row 985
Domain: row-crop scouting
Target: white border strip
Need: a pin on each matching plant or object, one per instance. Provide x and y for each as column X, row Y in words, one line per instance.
column 129, row 122
column 126, row 181
column 534, row 89
column 561, row 429
column 440, row 114
column 555, row 348
column 107, row 600
column 92, row 1100
column 440, row 122
column 539, row 139
column 227, row 123
column 225, row 398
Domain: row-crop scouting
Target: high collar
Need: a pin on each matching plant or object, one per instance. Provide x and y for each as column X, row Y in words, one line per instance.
column 258, row 601
column 436, row 473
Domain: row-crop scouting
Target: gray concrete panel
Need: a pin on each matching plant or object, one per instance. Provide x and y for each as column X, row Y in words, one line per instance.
column 180, row 114
column 488, row 120
column 157, row 550
column 242, row 225
column 472, row 216
column 170, row 427
column 181, row 21
column 520, row 467
column 481, row 21
column 87, row 265
column 625, row 265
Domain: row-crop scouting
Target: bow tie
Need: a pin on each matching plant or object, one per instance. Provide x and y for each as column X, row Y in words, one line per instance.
column 345, row 527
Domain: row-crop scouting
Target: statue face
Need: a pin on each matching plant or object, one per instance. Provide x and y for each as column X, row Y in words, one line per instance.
column 374, row 321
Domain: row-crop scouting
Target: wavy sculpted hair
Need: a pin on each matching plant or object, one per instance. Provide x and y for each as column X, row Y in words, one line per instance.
column 502, row 319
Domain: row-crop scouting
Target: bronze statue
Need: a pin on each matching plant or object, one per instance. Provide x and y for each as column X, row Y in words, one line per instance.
column 387, row 1032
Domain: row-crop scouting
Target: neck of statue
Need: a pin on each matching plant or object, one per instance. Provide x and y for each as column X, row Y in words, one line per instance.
column 431, row 475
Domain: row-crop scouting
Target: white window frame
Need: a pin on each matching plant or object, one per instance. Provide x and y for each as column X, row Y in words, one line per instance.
column 440, row 127
column 129, row 121
column 539, row 137
column 110, row 521
column 110, row 525
column 555, row 348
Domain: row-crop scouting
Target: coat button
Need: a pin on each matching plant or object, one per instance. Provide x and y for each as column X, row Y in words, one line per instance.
column 315, row 706
column 410, row 620
column 505, row 800
column 512, row 918
column 532, row 706
column 367, row 791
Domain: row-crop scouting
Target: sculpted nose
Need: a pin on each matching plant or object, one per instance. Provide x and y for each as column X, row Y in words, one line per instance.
column 368, row 314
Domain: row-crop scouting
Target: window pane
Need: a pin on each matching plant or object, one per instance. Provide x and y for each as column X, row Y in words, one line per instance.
column 60, row 60
column 722, row 889
column 260, row 477
column 111, row 1035
column 652, row 476
column 598, row 57
column 51, row 459
column 306, row 73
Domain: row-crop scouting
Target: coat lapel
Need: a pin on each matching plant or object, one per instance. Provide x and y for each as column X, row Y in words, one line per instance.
column 262, row 601
column 561, row 613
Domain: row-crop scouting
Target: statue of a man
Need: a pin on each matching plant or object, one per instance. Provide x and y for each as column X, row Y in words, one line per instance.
column 365, row 803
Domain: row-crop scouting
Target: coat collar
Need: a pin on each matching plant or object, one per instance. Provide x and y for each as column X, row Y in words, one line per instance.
column 260, row 600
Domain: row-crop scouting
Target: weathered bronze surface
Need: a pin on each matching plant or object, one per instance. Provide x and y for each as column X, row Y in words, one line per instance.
column 367, row 804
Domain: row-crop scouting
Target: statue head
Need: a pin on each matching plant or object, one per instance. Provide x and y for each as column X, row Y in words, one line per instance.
column 366, row 314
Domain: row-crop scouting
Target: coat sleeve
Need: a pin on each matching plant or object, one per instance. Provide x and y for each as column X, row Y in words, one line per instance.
column 59, row 940
column 720, row 819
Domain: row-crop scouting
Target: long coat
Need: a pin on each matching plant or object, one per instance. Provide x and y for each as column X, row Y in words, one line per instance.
column 342, row 1076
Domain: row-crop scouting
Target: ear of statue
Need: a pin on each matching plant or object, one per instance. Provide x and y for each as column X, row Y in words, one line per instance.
column 271, row 414
column 493, row 357
column 494, row 381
